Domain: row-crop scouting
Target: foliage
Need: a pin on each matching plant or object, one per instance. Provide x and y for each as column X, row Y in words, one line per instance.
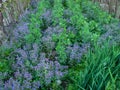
column 63, row 44
column 61, row 39
column 93, row 12
column 36, row 23
column 5, row 63
column 99, row 71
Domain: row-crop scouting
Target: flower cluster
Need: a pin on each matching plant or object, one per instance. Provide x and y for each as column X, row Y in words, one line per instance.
column 20, row 31
column 75, row 52
column 33, row 70
column 111, row 33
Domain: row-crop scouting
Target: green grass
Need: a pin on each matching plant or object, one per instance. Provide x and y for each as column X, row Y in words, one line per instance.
column 100, row 70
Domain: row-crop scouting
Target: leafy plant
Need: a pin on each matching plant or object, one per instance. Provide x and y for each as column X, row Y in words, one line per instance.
column 5, row 61
column 100, row 69
column 36, row 23
column 65, row 44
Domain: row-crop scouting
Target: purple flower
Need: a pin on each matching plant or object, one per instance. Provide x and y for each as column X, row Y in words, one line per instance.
column 48, row 77
column 47, row 17
column 26, row 85
column 57, row 65
column 76, row 52
column 47, row 41
column 19, row 62
column 36, row 84
column 12, row 85
column 22, row 53
column 27, row 76
column 20, row 31
column 17, row 74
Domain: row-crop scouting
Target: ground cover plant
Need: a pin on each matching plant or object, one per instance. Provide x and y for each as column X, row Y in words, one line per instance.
column 62, row 45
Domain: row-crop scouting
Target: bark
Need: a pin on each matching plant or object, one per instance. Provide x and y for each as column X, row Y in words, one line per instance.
column 116, row 7
column 1, row 25
column 1, row 17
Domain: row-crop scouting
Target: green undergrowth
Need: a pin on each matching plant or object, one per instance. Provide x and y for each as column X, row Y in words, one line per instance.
column 36, row 24
column 99, row 68
column 5, row 64
column 63, row 39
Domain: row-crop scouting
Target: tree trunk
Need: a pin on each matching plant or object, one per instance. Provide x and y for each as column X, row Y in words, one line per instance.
column 116, row 8
column 1, row 17
column 2, row 32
